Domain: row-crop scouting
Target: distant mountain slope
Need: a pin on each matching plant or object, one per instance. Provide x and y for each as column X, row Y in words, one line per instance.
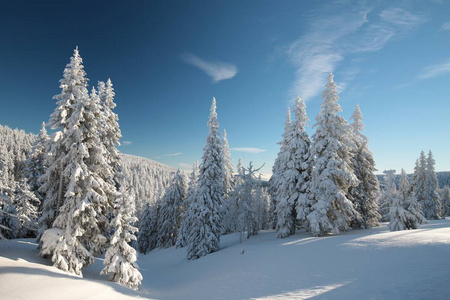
column 443, row 178
column 148, row 179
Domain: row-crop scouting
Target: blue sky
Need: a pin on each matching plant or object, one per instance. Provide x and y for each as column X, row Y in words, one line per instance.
column 167, row 59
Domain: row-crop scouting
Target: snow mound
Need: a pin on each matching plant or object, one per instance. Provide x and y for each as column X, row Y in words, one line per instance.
column 360, row 264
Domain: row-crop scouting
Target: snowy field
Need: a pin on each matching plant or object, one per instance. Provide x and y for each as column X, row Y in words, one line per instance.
column 361, row 264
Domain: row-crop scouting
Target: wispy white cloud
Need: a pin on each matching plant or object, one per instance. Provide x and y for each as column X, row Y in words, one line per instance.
column 217, row 70
column 400, row 17
column 173, row 154
column 435, row 70
column 402, row 85
column 346, row 76
column 334, row 35
column 126, row 143
column 427, row 73
column 315, row 54
column 446, row 26
column 249, row 150
column 375, row 38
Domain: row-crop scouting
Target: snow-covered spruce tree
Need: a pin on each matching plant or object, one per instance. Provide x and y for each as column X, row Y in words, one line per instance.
column 445, row 201
column 397, row 214
column 228, row 184
column 112, row 172
column 230, row 223
column 419, row 178
column 240, row 171
column 384, row 201
column 262, row 200
column 143, row 235
column 77, row 215
column 120, row 258
column 171, row 211
column 208, row 205
column 294, row 174
column 414, row 177
column 409, row 201
column 186, row 217
column 404, row 189
column 9, row 222
column 247, row 204
column 299, row 145
column 111, row 133
column 35, row 163
column 90, row 190
column 365, row 195
column 332, row 175
column 431, row 203
column 26, row 204
column 148, row 228
column 54, row 182
column 276, row 181
column 227, row 166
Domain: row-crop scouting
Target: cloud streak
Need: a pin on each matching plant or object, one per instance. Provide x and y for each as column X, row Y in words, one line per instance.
column 126, row 143
column 435, row 70
column 173, row 154
column 249, row 150
column 446, row 26
column 400, row 17
column 334, row 35
column 427, row 73
column 216, row 70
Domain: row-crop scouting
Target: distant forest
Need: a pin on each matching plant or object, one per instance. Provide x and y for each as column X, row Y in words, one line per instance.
column 443, row 179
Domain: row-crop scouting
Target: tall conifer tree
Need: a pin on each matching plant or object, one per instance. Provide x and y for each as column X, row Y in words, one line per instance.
column 419, row 178
column 294, row 175
column 35, row 164
column 54, row 182
column 431, row 203
column 332, row 176
column 85, row 190
column 227, row 166
column 276, row 180
column 208, row 205
column 365, row 195
column 171, row 211
column 188, row 215
column 409, row 202
column 120, row 258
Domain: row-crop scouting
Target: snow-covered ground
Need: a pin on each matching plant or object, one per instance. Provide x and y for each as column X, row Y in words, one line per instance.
column 360, row 264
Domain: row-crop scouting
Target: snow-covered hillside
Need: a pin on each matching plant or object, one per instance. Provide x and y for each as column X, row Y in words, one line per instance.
column 148, row 179
column 360, row 264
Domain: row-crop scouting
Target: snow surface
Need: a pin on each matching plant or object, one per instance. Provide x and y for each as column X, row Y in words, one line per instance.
column 360, row 264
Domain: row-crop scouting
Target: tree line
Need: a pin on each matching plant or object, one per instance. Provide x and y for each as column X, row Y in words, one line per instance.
column 323, row 185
